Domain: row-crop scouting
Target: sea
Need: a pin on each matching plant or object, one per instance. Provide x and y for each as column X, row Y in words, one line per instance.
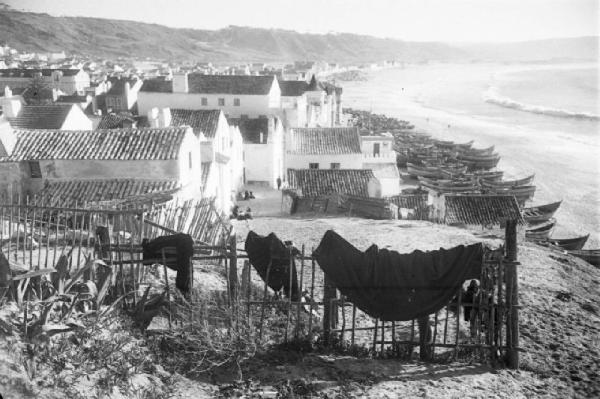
column 543, row 118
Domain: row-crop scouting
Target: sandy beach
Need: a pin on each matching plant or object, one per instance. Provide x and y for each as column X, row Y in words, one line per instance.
column 562, row 153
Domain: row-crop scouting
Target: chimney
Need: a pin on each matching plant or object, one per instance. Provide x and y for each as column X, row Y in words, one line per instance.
column 7, row 92
column 153, row 117
column 262, row 136
column 54, row 95
column 180, row 82
column 164, row 117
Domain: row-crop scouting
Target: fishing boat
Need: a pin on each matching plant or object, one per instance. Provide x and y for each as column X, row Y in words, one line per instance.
column 591, row 256
column 522, row 194
column 425, row 171
column 526, row 181
column 486, row 175
column 478, row 151
column 540, row 232
column 449, row 186
column 540, row 213
column 569, row 243
column 478, row 162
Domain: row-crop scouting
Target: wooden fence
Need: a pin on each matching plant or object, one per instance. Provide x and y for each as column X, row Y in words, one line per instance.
column 37, row 236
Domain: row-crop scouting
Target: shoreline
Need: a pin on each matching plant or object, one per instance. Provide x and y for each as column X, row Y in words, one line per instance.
column 577, row 215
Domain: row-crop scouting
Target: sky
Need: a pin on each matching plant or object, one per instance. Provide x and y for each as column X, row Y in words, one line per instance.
column 415, row 20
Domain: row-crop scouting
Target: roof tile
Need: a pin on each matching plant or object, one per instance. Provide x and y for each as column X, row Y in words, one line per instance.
column 317, row 182
column 317, row 141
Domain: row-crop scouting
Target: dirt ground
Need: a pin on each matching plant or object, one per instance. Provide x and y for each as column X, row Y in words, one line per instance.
column 559, row 325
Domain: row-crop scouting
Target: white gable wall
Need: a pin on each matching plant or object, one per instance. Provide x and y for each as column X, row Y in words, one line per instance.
column 77, row 120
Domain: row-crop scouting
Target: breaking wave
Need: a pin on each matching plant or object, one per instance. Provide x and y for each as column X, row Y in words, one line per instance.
column 494, row 97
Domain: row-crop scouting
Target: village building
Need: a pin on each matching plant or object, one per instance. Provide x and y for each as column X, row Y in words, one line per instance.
column 263, row 149
column 116, row 121
column 379, row 156
column 237, row 96
column 99, row 165
column 313, row 104
column 51, row 116
column 323, row 148
column 221, row 148
column 68, row 81
column 123, row 95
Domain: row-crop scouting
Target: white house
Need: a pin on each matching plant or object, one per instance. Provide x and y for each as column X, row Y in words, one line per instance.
column 313, row 104
column 221, row 148
column 323, row 148
column 51, row 116
column 69, row 81
column 99, row 165
column 263, row 149
column 236, row 95
column 379, row 156
column 123, row 94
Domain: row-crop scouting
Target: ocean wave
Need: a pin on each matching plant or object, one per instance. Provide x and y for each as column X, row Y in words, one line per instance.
column 493, row 96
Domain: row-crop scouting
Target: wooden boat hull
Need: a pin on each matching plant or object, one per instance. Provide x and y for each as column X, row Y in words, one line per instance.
column 569, row 243
column 522, row 194
column 540, row 232
column 482, row 164
column 509, row 183
column 591, row 256
column 424, row 171
column 552, row 207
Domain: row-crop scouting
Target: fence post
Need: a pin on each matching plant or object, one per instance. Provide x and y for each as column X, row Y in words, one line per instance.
column 424, row 338
column 512, row 296
column 233, row 276
column 329, row 321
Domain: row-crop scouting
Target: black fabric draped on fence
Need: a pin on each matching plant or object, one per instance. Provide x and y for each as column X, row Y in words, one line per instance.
column 179, row 246
column 270, row 249
column 393, row 286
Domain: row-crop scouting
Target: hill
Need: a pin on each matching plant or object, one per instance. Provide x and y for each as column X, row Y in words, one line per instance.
column 114, row 38
column 111, row 38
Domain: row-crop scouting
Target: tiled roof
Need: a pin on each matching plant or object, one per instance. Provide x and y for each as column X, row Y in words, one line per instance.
column 205, row 121
column 159, row 85
column 73, row 99
column 41, row 116
column 409, row 201
column 229, row 84
column 383, row 170
column 114, row 121
column 205, row 172
column 29, row 73
column 481, row 209
column 334, row 140
column 292, row 88
column 317, row 182
column 114, row 144
column 251, row 128
column 80, row 192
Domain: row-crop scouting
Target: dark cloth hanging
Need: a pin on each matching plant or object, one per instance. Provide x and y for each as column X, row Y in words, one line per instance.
column 179, row 246
column 270, row 249
column 393, row 286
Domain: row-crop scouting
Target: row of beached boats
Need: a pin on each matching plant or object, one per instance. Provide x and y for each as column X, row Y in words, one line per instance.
column 448, row 167
column 541, row 222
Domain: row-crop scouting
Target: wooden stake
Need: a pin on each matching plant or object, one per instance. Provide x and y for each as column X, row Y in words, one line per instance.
column 166, row 284
column 289, row 301
column 300, row 291
column 457, row 323
column 312, row 294
column 262, row 311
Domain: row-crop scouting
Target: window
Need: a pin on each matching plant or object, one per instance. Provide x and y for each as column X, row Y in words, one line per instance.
column 190, row 159
column 236, row 102
column 204, row 101
column 35, row 170
column 221, row 102
column 375, row 149
column 313, row 166
column 335, row 165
